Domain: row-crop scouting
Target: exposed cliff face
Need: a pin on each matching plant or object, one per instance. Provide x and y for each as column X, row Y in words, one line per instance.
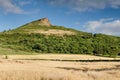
column 44, row 22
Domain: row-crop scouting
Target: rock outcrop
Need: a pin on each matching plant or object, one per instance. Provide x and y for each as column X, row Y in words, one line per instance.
column 44, row 22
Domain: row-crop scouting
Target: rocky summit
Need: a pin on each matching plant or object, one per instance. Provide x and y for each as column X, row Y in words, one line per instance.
column 44, row 22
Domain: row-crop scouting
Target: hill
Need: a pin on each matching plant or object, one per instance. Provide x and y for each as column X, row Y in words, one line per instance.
column 43, row 37
column 43, row 26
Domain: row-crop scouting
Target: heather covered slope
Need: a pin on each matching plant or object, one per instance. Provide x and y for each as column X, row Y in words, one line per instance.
column 43, row 37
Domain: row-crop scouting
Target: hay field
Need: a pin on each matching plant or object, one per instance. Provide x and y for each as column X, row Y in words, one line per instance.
column 15, row 69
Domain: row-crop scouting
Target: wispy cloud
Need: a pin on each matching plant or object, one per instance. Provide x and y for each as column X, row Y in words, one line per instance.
column 13, row 6
column 106, row 26
column 85, row 5
column 9, row 7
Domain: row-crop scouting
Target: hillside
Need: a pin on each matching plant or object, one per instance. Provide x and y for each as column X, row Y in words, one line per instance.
column 43, row 26
column 42, row 37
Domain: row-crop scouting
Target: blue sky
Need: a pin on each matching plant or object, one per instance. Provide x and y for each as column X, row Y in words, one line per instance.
column 96, row 16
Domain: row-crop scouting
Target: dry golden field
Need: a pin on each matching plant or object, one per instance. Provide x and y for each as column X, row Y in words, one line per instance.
column 14, row 68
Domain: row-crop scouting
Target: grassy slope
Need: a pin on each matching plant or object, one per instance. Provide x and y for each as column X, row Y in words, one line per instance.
column 8, row 51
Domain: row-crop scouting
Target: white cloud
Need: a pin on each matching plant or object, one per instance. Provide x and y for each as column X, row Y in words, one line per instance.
column 84, row 5
column 106, row 26
column 8, row 6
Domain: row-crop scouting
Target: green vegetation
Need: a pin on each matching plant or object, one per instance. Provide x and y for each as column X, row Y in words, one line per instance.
column 79, row 43
column 97, row 44
column 8, row 51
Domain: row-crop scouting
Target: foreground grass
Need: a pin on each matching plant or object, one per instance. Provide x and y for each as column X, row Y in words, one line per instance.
column 57, row 70
column 31, row 75
column 14, row 67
